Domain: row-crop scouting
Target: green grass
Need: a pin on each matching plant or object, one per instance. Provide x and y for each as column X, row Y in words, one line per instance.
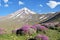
column 52, row 34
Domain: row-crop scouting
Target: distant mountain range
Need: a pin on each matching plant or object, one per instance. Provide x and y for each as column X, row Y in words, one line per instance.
column 26, row 16
column 55, row 18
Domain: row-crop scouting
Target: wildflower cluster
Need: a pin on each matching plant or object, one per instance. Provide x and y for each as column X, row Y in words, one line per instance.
column 2, row 31
column 41, row 37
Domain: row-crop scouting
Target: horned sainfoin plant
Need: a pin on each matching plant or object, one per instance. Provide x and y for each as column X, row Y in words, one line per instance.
column 41, row 37
column 39, row 27
column 2, row 30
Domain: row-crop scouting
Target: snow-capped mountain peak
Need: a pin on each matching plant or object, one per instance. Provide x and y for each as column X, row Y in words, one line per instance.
column 24, row 8
column 23, row 11
column 28, row 10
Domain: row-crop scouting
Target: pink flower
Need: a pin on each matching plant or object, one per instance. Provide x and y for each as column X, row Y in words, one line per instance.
column 43, row 28
column 42, row 37
column 2, row 31
column 34, row 27
column 39, row 27
column 26, row 27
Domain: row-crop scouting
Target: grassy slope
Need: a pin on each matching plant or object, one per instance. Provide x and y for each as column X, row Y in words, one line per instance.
column 52, row 34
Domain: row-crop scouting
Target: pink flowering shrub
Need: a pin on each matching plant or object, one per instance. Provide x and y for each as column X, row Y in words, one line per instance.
column 26, row 29
column 2, row 30
column 34, row 27
column 51, row 25
column 41, row 37
column 42, row 28
column 39, row 27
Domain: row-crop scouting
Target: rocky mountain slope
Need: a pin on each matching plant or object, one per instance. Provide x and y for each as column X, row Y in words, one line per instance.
column 24, row 16
column 55, row 18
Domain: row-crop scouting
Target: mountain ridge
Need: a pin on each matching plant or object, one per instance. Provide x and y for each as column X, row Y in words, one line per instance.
column 22, row 17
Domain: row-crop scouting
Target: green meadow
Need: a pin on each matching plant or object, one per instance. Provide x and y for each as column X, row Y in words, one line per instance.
column 52, row 34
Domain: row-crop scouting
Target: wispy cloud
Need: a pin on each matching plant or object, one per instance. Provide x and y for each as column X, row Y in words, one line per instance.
column 6, row 5
column 21, row 3
column 41, row 5
column 53, row 4
column 5, row 1
column 0, row 4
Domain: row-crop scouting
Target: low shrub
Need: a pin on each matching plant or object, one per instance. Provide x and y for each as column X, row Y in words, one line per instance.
column 41, row 37
column 25, row 30
column 39, row 27
column 2, row 31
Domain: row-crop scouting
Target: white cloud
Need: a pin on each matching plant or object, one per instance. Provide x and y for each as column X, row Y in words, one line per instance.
column 0, row 4
column 53, row 4
column 5, row 1
column 41, row 5
column 58, row 2
column 21, row 3
column 6, row 5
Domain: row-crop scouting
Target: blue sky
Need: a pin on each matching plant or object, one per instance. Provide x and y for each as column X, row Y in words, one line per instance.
column 40, row 6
